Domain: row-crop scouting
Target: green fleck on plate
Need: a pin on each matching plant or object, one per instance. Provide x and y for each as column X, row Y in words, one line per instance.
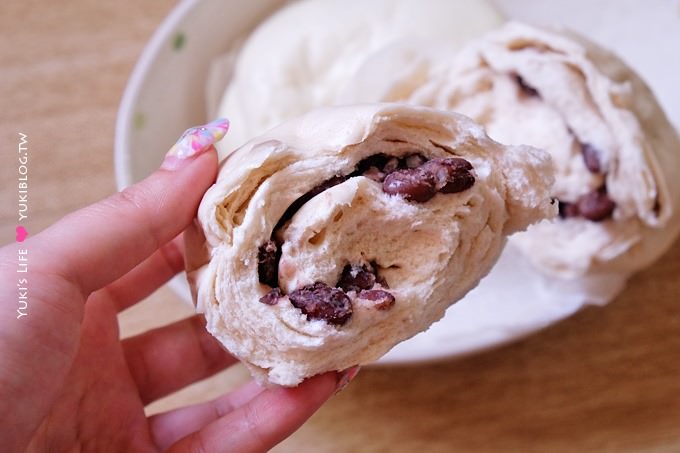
column 178, row 41
column 139, row 120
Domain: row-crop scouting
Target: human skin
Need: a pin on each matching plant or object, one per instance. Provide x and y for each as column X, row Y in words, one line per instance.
column 67, row 380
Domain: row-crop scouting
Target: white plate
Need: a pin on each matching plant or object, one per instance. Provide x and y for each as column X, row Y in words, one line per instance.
column 166, row 94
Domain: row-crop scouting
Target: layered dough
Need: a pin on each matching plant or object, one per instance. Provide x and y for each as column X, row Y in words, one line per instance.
column 614, row 150
column 424, row 254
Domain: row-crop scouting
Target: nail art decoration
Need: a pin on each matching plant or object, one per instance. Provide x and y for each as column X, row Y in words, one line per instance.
column 345, row 377
column 197, row 139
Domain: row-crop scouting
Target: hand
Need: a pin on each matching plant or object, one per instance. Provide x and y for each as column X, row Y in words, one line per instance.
column 67, row 382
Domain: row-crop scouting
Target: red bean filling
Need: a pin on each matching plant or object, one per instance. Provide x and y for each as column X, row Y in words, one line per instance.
column 414, row 184
column 524, row 88
column 595, row 206
column 420, row 184
column 383, row 300
column 269, row 253
column 268, row 256
column 320, row 301
column 591, row 157
column 297, row 204
column 414, row 160
column 452, row 175
column 356, row 278
column 413, row 177
column 567, row 209
column 377, row 166
column 272, row 297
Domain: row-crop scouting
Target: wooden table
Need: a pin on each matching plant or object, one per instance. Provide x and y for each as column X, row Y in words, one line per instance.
column 605, row 380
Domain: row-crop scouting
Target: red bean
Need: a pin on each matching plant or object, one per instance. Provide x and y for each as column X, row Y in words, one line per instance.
column 320, row 301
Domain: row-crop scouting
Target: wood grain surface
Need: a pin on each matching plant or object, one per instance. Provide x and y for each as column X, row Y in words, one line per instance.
column 607, row 379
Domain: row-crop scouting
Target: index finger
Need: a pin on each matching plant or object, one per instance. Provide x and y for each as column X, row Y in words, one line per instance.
column 98, row 244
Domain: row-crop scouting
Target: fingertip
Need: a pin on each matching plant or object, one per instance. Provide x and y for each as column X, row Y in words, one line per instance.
column 345, row 377
column 128, row 226
column 315, row 390
column 173, row 163
column 194, row 142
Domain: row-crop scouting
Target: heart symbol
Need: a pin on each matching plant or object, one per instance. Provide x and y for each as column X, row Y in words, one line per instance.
column 21, row 233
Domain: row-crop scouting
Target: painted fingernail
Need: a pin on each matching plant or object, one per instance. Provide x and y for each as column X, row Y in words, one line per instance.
column 195, row 141
column 345, row 377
